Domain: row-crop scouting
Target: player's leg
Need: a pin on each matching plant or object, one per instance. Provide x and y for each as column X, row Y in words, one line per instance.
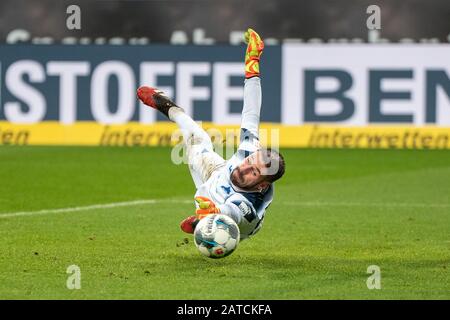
column 202, row 159
column 156, row 99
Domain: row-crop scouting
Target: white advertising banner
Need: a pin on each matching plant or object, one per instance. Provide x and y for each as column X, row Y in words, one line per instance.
column 366, row 84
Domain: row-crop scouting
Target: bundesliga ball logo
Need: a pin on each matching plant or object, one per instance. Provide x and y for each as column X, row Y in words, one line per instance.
column 216, row 236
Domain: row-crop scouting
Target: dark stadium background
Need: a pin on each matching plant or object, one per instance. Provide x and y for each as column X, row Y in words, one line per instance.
column 278, row 19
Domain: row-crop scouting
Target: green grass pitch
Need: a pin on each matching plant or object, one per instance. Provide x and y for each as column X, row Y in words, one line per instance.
column 335, row 213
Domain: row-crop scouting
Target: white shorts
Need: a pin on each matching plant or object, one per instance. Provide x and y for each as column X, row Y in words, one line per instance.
column 202, row 159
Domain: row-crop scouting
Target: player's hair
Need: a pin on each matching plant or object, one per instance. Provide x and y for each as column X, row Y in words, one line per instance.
column 273, row 159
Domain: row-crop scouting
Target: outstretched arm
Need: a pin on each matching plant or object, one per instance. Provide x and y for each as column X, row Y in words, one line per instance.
column 252, row 105
column 252, row 87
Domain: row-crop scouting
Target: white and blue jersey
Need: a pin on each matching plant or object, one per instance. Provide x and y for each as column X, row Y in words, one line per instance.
column 246, row 208
column 211, row 173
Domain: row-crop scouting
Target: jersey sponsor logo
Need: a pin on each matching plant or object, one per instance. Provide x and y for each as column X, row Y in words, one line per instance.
column 247, row 212
column 226, row 189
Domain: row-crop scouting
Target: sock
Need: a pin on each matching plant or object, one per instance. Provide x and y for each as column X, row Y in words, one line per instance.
column 186, row 124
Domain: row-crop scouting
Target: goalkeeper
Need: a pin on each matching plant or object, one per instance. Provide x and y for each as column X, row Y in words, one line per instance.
column 241, row 187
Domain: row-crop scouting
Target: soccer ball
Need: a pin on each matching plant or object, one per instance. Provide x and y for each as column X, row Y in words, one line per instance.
column 216, row 236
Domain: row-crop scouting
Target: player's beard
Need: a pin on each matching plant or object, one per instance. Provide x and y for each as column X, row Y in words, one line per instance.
column 238, row 179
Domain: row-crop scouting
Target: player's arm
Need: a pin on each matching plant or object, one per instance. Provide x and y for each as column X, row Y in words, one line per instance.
column 236, row 207
column 252, row 108
column 252, row 86
column 205, row 207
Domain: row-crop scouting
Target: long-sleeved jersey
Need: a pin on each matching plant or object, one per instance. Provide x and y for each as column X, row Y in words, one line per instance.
column 246, row 208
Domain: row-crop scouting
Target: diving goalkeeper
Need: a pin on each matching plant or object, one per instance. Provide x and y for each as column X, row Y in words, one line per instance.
column 242, row 187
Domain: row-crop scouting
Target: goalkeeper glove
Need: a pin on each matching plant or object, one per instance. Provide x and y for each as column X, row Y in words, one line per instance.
column 255, row 47
column 205, row 207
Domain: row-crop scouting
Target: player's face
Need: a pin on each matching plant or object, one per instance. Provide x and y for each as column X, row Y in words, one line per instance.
column 250, row 174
